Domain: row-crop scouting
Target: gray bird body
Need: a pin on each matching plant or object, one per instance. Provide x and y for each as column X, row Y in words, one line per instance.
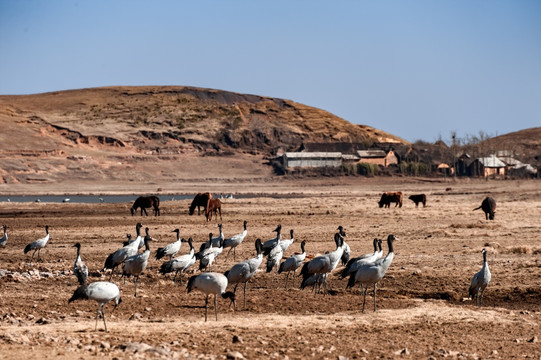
column 285, row 244
column 136, row 264
column 354, row 264
column 170, row 249
column 244, row 271
column 235, row 241
column 38, row 244
column 79, row 267
column 102, row 292
column 293, row 262
column 180, row 263
column 323, row 264
column 274, row 257
column 480, row 281
column 208, row 256
column 372, row 273
column 270, row 244
column 210, row 283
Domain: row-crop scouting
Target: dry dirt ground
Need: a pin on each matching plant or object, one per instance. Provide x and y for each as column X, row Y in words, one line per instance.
column 422, row 307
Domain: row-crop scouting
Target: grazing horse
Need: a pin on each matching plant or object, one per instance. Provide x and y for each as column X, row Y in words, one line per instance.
column 214, row 206
column 145, row 202
column 201, row 199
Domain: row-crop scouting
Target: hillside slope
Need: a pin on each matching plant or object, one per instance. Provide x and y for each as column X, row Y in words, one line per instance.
column 157, row 133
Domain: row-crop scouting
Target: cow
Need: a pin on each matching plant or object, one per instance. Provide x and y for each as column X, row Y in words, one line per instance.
column 389, row 197
column 419, row 198
column 489, row 207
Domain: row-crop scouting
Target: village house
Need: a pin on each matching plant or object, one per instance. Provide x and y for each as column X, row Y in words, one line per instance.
column 487, row 166
column 311, row 159
column 377, row 157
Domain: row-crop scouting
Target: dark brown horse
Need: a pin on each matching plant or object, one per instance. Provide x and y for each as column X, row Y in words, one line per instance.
column 145, row 202
column 214, row 206
column 201, row 199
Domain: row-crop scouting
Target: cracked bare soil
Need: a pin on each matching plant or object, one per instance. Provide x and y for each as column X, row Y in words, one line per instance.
column 422, row 311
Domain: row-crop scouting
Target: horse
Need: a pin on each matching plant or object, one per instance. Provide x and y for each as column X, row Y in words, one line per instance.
column 201, row 199
column 214, row 206
column 145, row 202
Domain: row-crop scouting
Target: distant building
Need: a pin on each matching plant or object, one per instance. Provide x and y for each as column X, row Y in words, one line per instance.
column 487, row 166
column 311, row 159
column 378, row 157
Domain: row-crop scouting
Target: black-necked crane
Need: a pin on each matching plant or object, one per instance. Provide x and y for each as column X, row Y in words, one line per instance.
column 355, row 263
column 208, row 256
column 136, row 264
column 480, row 281
column 38, row 244
column 102, row 292
column 211, row 283
column 372, row 273
column 286, row 243
column 180, row 263
column 170, row 249
column 347, row 250
column 270, row 244
column 323, row 264
column 139, row 239
column 4, row 239
column 119, row 256
column 244, row 271
column 293, row 262
column 274, row 257
column 235, row 241
column 79, row 267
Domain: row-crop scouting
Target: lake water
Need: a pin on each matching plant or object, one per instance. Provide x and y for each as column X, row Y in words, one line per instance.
column 92, row 199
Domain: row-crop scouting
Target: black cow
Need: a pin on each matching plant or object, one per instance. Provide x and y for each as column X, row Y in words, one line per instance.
column 420, row 198
column 489, row 207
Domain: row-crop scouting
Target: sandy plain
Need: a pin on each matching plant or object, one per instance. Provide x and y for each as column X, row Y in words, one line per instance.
column 423, row 310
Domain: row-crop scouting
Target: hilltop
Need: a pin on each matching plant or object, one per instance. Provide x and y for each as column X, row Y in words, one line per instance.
column 158, row 134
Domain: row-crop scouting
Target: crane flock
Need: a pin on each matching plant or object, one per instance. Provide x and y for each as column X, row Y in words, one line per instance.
column 365, row 269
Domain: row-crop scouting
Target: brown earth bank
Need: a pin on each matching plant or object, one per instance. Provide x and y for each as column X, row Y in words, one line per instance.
column 423, row 310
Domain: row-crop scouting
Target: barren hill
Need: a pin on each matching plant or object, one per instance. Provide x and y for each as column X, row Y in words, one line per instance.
column 525, row 144
column 154, row 134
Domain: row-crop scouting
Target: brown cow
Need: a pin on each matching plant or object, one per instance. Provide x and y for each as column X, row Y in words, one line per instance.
column 389, row 197
column 420, row 198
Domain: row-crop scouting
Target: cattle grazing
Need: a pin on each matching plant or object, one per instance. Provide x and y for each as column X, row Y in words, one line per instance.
column 214, row 206
column 389, row 197
column 201, row 199
column 489, row 207
column 145, row 202
column 420, row 198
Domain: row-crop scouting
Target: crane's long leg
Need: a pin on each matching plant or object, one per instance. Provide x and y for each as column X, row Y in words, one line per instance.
column 375, row 285
column 364, row 297
column 287, row 276
column 135, row 283
column 103, row 314
column 245, row 284
column 97, row 314
column 227, row 255
column 206, row 306
column 215, row 307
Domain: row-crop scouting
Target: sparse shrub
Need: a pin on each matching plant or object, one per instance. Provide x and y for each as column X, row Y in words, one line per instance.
column 367, row 169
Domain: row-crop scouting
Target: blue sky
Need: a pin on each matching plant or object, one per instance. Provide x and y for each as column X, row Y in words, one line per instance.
column 417, row 69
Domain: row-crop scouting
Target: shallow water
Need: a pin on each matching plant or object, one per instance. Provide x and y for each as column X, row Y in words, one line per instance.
column 91, row 199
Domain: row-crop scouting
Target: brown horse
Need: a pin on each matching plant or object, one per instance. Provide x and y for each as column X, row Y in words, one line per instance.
column 214, row 206
column 201, row 199
column 145, row 202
